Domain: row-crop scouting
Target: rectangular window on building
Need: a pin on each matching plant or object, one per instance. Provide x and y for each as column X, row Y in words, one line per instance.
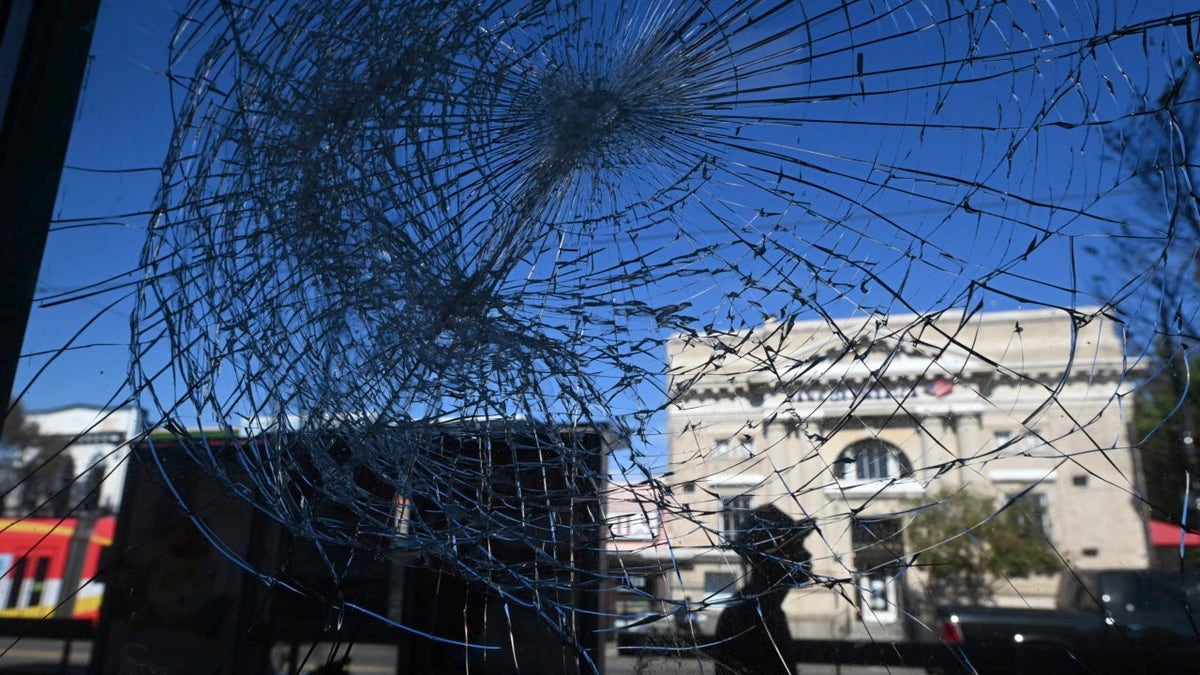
column 734, row 448
column 719, row 584
column 879, row 556
column 1002, row 441
column 733, row 514
column 1032, row 511
column 1032, row 441
column 877, row 595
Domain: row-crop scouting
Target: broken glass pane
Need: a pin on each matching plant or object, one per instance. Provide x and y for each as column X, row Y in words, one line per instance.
column 526, row 296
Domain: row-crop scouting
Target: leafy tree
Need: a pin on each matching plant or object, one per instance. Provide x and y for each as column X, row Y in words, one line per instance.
column 18, row 431
column 33, row 467
column 1160, row 251
column 965, row 543
column 1164, row 428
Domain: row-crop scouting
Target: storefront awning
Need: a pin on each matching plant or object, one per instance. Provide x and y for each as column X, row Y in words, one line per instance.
column 1168, row 534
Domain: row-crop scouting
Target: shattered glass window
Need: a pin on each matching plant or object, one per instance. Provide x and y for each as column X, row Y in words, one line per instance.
column 461, row 335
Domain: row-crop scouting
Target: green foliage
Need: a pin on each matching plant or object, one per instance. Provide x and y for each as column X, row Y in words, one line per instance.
column 36, row 466
column 1164, row 431
column 1156, row 247
column 966, row 545
column 18, row 431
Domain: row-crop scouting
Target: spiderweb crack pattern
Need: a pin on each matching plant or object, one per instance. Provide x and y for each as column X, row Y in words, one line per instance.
column 377, row 220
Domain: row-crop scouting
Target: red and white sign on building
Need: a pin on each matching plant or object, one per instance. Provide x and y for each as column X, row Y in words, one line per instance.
column 640, row 526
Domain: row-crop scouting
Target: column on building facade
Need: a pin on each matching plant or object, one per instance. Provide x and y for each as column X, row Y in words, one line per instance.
column 967, row 427
column 936, row 445
column 806, row 463
column 771, row 434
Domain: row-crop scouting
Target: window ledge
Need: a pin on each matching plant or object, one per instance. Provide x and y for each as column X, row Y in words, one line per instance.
column 870, row 488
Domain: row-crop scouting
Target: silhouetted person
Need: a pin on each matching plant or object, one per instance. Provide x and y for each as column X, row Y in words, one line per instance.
column 753, row 632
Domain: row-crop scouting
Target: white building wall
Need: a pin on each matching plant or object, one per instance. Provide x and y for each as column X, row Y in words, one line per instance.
column 100, row 438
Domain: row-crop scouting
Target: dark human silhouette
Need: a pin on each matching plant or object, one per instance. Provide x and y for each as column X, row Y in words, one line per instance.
column 752, row 634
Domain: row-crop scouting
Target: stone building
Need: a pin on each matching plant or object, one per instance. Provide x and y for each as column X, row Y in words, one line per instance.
column 853, row 422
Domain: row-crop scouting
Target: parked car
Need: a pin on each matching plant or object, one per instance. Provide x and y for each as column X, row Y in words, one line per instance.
column 1113, row 621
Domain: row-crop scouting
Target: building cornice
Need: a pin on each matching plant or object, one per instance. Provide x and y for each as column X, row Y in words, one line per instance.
column 895, row 385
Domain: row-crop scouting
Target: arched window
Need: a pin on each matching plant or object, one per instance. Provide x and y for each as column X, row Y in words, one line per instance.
column 872, row 459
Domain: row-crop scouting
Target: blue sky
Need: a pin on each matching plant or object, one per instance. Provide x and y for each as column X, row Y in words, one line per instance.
column 871, row 182
column 123, row 122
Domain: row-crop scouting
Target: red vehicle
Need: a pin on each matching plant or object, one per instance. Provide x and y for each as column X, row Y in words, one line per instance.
column 36, row 553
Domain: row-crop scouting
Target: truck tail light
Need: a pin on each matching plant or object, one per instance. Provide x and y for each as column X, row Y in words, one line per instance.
column 951, row 631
